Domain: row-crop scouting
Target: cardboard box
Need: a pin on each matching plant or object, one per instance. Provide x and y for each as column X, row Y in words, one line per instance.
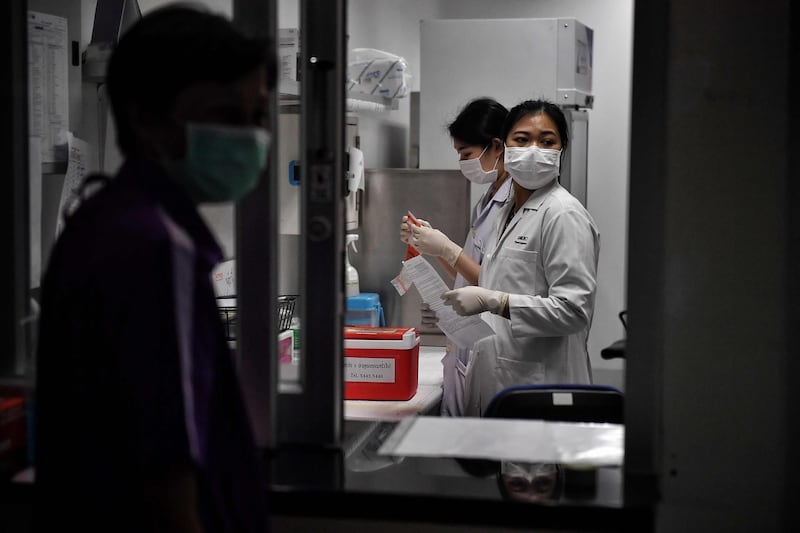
column 223, row 278
column 380, row 363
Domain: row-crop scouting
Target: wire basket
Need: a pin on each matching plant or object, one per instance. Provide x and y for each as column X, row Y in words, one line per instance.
column 286, row 310
column 230, row 321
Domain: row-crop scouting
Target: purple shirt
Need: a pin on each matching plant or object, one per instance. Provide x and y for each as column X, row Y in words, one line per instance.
column 134, row 376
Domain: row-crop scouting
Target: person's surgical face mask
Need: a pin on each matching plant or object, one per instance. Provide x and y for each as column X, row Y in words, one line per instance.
column 223, row 163
column 532, row 167
column 473, row 170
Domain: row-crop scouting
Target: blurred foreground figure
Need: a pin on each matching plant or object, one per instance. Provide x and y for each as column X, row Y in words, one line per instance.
column 141, row 424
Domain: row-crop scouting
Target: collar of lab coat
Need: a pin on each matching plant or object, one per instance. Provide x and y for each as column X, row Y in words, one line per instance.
column 535, row 200
column 505, row 192
column 533, row 203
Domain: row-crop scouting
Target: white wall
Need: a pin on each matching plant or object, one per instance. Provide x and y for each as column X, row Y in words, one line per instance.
column 391, row 26
column 224, row 7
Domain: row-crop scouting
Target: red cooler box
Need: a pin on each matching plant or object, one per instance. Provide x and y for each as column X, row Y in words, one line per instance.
column 380, row 363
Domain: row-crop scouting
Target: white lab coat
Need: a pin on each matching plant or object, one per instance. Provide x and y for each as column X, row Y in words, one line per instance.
column 481, row 233
column 546, row 260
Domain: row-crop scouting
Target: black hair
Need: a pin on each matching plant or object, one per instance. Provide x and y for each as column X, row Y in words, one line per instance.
column 480, row 121
column 171, row 48
column 534, row 107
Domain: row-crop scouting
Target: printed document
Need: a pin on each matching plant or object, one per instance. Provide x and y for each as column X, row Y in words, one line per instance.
column 77, row 169
column 464, row 331
column 48, row 83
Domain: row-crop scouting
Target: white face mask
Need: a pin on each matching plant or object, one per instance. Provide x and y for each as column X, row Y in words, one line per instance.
column 532, row 167
column 473, row 170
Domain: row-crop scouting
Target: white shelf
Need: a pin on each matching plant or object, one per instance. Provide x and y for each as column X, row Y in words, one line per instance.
column 371, row 103
column 290, row 103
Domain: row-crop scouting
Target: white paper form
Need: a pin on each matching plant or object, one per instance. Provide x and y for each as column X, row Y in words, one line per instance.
column 48, row 83
column 77, row 168
column 464, row 331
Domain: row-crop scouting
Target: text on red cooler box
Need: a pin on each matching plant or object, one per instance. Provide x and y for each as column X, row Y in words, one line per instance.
column 380, row 363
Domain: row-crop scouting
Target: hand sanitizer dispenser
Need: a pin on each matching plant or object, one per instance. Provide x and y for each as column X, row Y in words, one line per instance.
column 355, row 181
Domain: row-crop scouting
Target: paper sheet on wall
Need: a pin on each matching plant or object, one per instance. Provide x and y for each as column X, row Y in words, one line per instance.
column 48, row 64
column 77, row 168
column 464, row 331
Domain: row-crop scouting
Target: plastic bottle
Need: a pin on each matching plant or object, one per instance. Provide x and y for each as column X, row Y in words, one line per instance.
column 295, row 327
column 351, row 274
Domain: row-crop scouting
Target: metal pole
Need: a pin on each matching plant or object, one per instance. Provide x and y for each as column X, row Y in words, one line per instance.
column 14, row 229
column 322, row 28
column 257, row 259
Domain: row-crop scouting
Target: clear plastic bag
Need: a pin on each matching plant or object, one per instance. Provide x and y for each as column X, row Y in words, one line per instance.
column 374, row 72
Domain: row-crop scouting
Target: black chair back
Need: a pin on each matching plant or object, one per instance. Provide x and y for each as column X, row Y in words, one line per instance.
column 560, row 403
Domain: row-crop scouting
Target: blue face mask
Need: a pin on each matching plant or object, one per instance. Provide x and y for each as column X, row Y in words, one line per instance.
column 223, row 163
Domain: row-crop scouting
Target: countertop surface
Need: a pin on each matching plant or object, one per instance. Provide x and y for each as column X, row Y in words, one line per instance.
column 360, row 483
column 364, row 484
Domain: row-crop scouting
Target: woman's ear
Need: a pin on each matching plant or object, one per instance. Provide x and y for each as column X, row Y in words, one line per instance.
column 497, row 145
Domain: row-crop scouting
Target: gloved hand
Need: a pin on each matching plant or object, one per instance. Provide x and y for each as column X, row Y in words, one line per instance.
column 405, row 228
column 433, row 242
column 428, row 316
column 473, row 300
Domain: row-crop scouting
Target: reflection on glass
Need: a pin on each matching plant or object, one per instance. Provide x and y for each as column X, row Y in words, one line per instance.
column 531, row 482
column 365, row 458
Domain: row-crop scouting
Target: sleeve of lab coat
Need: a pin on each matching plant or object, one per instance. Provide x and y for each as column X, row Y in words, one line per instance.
column 569, row 252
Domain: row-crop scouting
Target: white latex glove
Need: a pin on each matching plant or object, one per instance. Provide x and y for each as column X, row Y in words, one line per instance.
column 433, row 242
column 473, row 300
column 405, row 228
column 428, row 316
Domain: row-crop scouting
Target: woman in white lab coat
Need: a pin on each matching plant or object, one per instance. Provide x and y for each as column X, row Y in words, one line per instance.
column 477, row 138
column 538, row 277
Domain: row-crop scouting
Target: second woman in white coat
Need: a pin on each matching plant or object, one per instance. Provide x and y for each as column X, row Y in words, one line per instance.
column 538, row 277
column 477, row 138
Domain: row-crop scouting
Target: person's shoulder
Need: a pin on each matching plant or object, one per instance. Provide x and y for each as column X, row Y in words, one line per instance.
column 561, row 202
column 114, row 229
column 118, row 214
column 560, row 199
